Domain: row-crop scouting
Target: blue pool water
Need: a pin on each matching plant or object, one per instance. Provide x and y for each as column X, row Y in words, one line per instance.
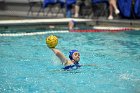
column 27, row 65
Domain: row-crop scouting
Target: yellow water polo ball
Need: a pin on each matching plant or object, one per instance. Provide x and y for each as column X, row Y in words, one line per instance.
column 51, row 41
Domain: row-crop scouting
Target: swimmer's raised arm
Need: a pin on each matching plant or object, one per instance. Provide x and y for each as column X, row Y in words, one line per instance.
column 60, row 55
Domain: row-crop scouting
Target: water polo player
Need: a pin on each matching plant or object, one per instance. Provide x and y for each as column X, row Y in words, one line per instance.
column 72, row 63
column 74, row 56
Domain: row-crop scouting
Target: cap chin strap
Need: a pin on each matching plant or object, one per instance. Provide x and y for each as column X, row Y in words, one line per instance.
column 75, row 61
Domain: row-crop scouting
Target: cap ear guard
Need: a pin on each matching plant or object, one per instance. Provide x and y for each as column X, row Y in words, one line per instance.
column 70, row 57
column 71, row 53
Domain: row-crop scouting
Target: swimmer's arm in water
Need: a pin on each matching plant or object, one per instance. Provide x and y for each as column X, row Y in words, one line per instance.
column 60, row 55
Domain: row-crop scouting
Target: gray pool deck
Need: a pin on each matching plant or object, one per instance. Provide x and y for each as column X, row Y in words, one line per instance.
column 23, row 21
column 15, row 13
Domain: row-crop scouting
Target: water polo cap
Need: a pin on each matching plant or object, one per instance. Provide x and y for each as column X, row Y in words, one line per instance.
column 71, row 52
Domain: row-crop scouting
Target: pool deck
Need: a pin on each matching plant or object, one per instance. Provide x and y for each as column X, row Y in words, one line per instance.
column 16, row 13
column 101, row 22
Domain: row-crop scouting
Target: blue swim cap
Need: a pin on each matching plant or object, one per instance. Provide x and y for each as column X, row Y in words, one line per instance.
column 71, row 52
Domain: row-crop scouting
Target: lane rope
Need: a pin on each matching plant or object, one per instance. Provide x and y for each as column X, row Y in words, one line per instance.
column 94, row 29
column 33, row 33
column 103, row 29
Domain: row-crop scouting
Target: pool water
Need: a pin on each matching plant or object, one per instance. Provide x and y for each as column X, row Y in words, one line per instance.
column 112, row 64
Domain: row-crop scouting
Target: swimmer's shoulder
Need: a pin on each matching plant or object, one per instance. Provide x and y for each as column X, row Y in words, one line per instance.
column 68, row 62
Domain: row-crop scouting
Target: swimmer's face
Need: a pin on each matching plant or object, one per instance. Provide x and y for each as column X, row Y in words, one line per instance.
column 76, row 56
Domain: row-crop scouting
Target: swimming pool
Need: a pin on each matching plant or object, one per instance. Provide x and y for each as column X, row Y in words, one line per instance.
column 28, row 66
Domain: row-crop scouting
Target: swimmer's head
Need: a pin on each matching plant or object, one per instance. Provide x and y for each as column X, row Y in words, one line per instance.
column 74, row 55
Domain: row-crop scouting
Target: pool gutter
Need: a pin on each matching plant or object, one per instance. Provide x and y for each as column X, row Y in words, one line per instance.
column 131, row 24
